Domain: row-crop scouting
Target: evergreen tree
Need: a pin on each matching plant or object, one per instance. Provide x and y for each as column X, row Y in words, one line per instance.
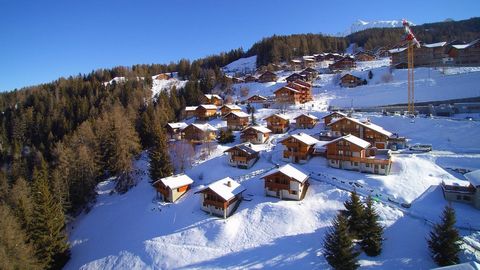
column 226, row 136
column 371, row 234
column 15, row 251
column 444, row 242
column 370, row 74
column 160, row 165
column 354, row 214
column 48, row 223
column 338, row 246
column 20, row 200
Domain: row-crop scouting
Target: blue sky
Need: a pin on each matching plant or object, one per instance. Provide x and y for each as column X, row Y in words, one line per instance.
column 43, row 40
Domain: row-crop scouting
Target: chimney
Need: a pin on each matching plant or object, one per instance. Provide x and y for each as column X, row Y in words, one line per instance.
column 229, row 183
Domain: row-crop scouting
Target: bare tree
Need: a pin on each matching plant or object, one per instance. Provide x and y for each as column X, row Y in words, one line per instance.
column 244, row 91
column 182, row 154
column 387, row 77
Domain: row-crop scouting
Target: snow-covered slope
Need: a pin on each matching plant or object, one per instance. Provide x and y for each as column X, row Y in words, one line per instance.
column 242, row 65
column 360, row 25
column 162, row 85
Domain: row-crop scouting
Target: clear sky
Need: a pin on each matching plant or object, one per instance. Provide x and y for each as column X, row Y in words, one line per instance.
column 43, row 40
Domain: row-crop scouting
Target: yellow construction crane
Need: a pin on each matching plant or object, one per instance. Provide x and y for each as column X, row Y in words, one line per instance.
column 411, row 43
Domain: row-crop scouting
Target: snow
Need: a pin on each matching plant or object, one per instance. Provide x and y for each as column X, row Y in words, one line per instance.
column 456, row 182
column 208, row 106
column 232, row 106
column 261, row 129
column 242, row 65
column 210, row 96
column 290, row 171
column 352, row 139
column 204, row 127
column 164, row 85
column 240, row 114
column 176, row 181
column 305, row 138
column 462, row 266
column 434, row 45
column 225, row 188
column 360, row 25
column 180, row 125
column 474, row 177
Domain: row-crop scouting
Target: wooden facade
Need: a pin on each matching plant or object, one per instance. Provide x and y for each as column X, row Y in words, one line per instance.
column 242, row 156
column 255, row 134
column 250, row 78
column 221, row 198
column 199, row 133
column 366, row 130
column 206, row 112
column 348, row 80
column 226, row 109
column 278, row 123
column 309, row 73
column 305, row 121
column 267, row 76
column 237, row 120
column 334, row 115
column 286, row 182
column 287, row 95
column 256, row 99
column 352, row 153
column 299, row 147
column 343, row 64
column 294, row 77
column 304, row 88
column 465, row 54
column 171, row 188
column 174, row 130
column 212, row 99
column 364, row 56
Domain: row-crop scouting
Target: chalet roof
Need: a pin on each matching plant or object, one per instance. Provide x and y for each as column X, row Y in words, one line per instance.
column 313, row 117
column 279, row 115
column 309, row 69
column 352, row 139
column 190, row 108
column 435, row 45
column 369, row 125
column 464, row 46
column 290, row 171
column 288, row 88
column 294, row 75
column 397, row 50
column 204, row 127
column 342, row 114
column 298, row 84
column 296, row 61
column 348, row 74
column 261, row 129
column 232, row 107
column 455, row 183
column 180, row 125
column 238, row 114
column 320, row 145
column 175, row 181
column 305, row 138
column 473, row 177
column 259, row 96
column 472, row 265
column 268, row 73
column 209, row 96
column 244, row 147
column 307, row 84
column 223, row 189
column 208, row 106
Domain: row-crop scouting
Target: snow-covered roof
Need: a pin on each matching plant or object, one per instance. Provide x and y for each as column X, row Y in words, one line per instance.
column 239, row 114
column 210, row 96
column 180, row 125
column 330, row 114
column 305, row 138
column 456, row 182
column 288, row 88
column 369, row 125
column 473, row 177
column 296, row 61
column 232, row 106
column 208, row 106
column 290, row 171
column 352, row 139
column 226, row 188
column 462, row 266
column 245, row 147
column 397, row 50
column 434, row 45
column 190, row 108
column 175, row 181
column 464, row 46
column 320, row 145
column 204, row 127
column 258, row 96
column 261, row 129
column 313, row 117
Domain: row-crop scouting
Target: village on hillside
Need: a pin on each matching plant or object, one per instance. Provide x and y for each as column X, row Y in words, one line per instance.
column 293, row 134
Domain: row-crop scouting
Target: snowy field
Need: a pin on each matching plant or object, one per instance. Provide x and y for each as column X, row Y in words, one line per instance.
column 135, row 231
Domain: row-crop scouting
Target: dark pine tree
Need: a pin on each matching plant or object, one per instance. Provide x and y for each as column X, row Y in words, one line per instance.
column 48, row 223
column 444, row 242
column 371, row 234
column 370, row 74
column 226, row 136
column 354, row 214
column 160, row 164
column 338, row 246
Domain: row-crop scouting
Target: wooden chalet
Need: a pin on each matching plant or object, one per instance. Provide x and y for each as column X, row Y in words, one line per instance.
column 250, row 78
column 348, row 80
column 256, row 99
column 343, row 64
column 298, row 147
column 212, row 99
column 465, row 54
column 286, row 182
column 333, row 115
column 199, row 133
column 364, row 56
column 206, row 111
column 308, row 61
column 309, row 73
column 237, row 80
column 365, row 130
column 287, row 95
column 171, row 188
column 305, row 121
column 304, row 88
column 267, row 76
column 189, row 111
column 174, row 130
column 242, row 156
column 162, row 76
column 255, row 134
column 295, row 64
column 228, row 108
column 237, row 120
column 463, row 191
column 352, row 153
column 221, row 198
column 278, row 123
column 332, row 57
column 294, row 77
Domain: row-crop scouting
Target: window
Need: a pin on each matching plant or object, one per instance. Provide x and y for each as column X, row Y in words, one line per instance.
column 356, row 163
column 466, row 198
column 459, row 197
column 383, row 166
column 293, row 192
column 340, row 152
column 367, row 165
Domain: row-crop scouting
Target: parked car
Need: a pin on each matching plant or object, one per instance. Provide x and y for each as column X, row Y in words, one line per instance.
column 421, row 147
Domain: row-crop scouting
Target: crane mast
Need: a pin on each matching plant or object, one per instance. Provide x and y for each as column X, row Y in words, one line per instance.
column 411, row 43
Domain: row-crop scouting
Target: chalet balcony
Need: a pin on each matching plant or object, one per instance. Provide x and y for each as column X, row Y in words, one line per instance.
column 214, row 203
column 276, row 186
column 238, row 159
column 369, row 160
